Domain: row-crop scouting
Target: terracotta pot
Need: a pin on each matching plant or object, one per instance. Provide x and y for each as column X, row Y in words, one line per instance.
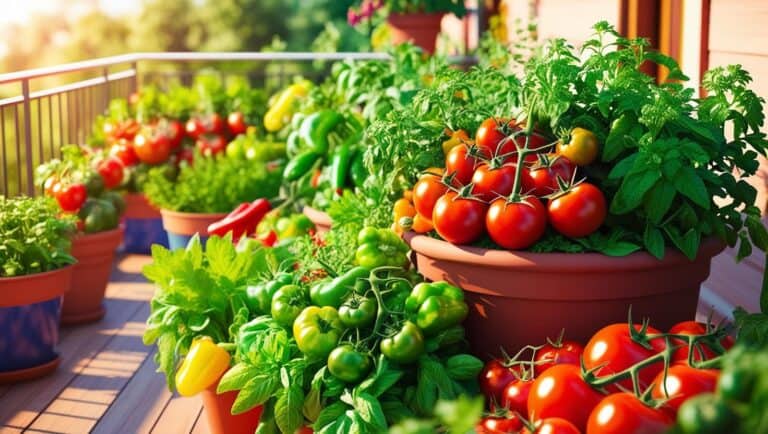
column 181, row 226
column 220, row 419
column 521, row 298
column 142, row 224
column 138, row 207
column 94, row 254
column 421, row 29
column 30, row 310
column 321, row 219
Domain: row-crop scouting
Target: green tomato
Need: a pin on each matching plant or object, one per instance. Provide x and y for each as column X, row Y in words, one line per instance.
column 706, row 414
column 317, row 331
column 94, row 185
column 116, row 199
column 349, row 365
column 358, row 312
column 287, row 304
column 406, row 346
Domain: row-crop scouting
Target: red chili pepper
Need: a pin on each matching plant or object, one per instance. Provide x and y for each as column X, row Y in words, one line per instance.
column 242, row 221
column 268, row 239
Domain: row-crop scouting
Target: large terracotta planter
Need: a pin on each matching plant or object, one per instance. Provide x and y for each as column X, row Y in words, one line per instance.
column 182, row 226
column 30, row 310
column 94, row 254
column 421, row 29
column 220, row 419
column 520, row 298
column 143, row 225
column 321, row 219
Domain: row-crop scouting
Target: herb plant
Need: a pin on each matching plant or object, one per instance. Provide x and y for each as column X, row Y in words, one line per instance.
column 33, row 237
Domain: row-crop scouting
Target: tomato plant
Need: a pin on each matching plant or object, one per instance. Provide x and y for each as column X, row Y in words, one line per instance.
column 236, row 123
column 461, row 164
column 683, row 382
column 558, row 353
column 152, row 148
column 623, row 413
column 459, row 219
column 543, row 178
column 426, row 192
column 70, row 197
column 562, row 392
column 579, row 211
column 194, row 128
column 111, row 171
column 552, row 425
column 494, row 378
column 516, row 225
column 491, row 132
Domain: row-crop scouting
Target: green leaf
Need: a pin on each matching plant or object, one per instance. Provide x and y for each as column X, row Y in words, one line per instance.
column 632, row 190
column 369, row 409
column 384, row 378
column 653, row 240
column 166, row 352
column 687, row 243
column 256, row 392
column 236, row 378
column 659, row 200
column 617, row 248
column 395, row 410
column 288, row 409
column 689, row 184
column 330, row 414
column 753, row 328
column 267, row 423
column 463, row 366
column 461, row 415
column 757, row 232
column 622, row 167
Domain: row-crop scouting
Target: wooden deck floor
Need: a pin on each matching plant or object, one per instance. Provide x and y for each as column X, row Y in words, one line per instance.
column 107, row 382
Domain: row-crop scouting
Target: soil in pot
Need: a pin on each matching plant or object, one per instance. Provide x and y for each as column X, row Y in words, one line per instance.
column 520, row 298
column 94, row 253
column 220, row 419
column 182, row 226
column 421, row 29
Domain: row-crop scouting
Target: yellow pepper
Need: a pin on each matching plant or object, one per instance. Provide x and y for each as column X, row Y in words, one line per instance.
column 281, row 111
column 456, row 138
column 205, row 363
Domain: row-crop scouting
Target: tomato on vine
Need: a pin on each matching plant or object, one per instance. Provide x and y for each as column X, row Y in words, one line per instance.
column 426, row 192
column 558, row 353
column 499, row 425
column 681, row 383
column 495, row 377
column 123, row 150
column 514, row 397
column 562, row 392
column 111, row 171
column 693, row 328
column 582, row 148
column 578, row 211
column 624, row 413
column 459, row 219
column 494, row 179
column 152, row 148
column 70, row 197
column 461, row 164
column 543, row 178
column 516, row 225
column 236, row 123
column 552, row 425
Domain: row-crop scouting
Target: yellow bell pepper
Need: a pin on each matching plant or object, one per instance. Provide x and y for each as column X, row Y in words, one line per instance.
column 279, row 113
column 205, row 363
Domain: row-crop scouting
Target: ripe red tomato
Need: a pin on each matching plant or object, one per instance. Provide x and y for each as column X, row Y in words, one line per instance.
column 494, row 378
column 543, row 179
column 236, row 123
column 553, row 425
column 213, row 124
column 510, row 147
column 564, row 353
column 515, row 396
column 693, row 328
column 211, row 144
column 491, row 182
column 561, row 392
column 491, row 132
column 175, row 132
column 683, row 382
column 579, row 211
column 459, row 220
column 70, row 197
column 123, row 150
column 499, row 425
column 613, row 348
column 516, row 225
column 127, row 129
column 426, row 192
column 152, row 148
column 461, row 164
column 111, row 171
column 194, row 128
column 623, row 413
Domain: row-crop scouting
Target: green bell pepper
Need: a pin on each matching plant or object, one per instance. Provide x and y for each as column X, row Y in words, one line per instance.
column 259, row 297
column 317, row 331
column 287, row 304
column 334, row 292
column 424, row 290
column 341, row 162
column 406, row 346
column 315, row 128
column 380, row 247
column 348, row 364
column 357, row 170
column 300, row 165
column 440, row 312
column 358, row 312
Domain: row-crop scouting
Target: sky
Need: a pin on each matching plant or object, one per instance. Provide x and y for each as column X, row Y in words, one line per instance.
column 20, row 11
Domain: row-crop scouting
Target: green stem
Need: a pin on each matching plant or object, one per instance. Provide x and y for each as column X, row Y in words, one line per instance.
column 521, row 154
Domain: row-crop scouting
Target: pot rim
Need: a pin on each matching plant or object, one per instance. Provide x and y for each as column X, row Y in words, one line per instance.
column 99, row 236
column 560, row 262
column 318, row 217
column 42, row 275
column 191, row 215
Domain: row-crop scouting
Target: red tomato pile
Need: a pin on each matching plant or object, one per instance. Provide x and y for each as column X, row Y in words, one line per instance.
column 476, row 195
column 545, row 390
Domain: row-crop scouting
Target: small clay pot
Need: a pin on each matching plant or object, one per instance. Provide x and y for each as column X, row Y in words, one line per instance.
column 220, row 419
column 421, row 29
column 321, row 219
column 30, row 311
column 181, row 226
column 521, row 298
column 94, row 253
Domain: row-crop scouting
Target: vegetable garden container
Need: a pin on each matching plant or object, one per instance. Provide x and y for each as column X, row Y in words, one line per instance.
column 94, row 254
column 143, row 225
column 321, row 219
column 220, row 419
column 182, row 226
column 30, row 310
column 421, row 29
column 521, row 298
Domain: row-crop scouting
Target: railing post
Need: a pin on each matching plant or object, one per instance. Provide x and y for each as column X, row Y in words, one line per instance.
column 105, row 72
column 28, row 136
column 135, row 82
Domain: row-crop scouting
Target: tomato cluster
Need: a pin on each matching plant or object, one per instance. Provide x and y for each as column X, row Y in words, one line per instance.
column 565, row 387
column 508, row 184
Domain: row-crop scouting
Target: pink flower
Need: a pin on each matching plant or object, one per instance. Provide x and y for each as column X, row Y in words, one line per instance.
column 352, row 17
column 367, row 9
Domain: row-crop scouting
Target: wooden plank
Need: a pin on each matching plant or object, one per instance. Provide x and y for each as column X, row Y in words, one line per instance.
column 87, row 397
column 739, row 26
column 573, row 20
column 201, row 424
column 179, row 416
column 9, row 430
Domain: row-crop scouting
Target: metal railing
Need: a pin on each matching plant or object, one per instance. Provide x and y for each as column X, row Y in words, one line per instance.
column 36, row 123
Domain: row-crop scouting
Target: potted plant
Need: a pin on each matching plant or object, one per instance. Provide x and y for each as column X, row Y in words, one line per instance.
column 35, row 273
column 616, row 208
column 84, row 184
column 417, row 21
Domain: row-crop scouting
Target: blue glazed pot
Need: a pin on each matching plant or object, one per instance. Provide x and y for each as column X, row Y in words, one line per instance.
column 182, row 226
column 30, row 311
column 141, row 233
